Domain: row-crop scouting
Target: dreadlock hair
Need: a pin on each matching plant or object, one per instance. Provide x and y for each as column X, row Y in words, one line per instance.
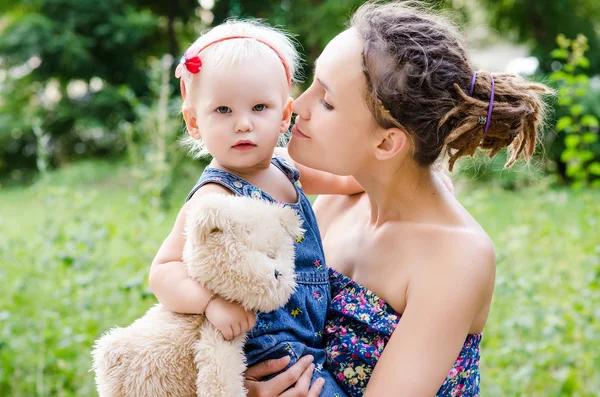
column 418, row 79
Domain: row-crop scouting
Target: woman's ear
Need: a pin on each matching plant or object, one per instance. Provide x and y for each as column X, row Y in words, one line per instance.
column 286, row 116
column 189, row 115
column 390, row 143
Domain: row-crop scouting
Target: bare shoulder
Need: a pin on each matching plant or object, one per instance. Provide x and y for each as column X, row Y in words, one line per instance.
column 209, row 188
column 459, row 264
column 471, row 249
column 465, row 258
column 328, row 207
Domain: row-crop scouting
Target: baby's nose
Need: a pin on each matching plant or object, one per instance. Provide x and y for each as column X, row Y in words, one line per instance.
column 243, row 125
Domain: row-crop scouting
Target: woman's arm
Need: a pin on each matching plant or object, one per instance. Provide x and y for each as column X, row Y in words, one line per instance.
column 439, row 313
column 321, row 182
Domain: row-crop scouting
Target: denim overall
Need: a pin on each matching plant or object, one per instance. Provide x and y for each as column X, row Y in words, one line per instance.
column 297, row 328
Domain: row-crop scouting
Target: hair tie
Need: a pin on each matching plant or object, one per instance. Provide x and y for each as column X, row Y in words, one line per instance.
column 489, row 116
column 473, row 83
column 483, row 119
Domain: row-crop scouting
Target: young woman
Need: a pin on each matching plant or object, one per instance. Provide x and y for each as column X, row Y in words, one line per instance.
column 412, row 272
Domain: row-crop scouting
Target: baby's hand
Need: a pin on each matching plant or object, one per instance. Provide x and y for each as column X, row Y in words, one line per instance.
column 231, row 319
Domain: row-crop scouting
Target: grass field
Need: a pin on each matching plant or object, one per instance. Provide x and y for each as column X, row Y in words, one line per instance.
column 75, row 252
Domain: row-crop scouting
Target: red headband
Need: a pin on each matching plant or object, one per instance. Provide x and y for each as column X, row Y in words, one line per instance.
column 192, row 62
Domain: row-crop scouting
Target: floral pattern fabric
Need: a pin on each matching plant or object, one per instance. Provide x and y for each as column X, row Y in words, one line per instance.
column 359, row 324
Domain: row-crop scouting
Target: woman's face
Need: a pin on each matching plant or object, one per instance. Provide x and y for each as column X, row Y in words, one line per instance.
column 334, row 127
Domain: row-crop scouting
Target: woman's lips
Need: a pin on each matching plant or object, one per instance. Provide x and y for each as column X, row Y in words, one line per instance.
column 297, row 132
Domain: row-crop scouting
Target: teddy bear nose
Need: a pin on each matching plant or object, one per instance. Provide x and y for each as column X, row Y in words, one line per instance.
column 277, row 274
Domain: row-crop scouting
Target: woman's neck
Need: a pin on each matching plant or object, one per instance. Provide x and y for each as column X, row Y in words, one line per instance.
column 409, row 193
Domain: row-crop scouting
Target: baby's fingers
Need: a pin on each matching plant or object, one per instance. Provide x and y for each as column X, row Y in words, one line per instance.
column 246, row 326
column 237, row 329
column 227, row 332
column 251, row 320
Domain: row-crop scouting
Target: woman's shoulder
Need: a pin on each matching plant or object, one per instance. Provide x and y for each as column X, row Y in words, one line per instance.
column 329, row 207
column 471, row 250
column 463, row 257
column 459, row 246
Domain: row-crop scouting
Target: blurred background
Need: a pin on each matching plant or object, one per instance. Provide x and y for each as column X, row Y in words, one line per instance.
column 92, row 177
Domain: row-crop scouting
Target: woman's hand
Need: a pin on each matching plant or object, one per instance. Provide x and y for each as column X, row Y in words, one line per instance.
column 299, row 373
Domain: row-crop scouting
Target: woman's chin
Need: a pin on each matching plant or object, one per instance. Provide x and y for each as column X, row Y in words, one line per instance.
column 296, row 150
column 303, row 153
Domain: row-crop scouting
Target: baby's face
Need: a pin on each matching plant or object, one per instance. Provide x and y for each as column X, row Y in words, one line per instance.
column 240, row 111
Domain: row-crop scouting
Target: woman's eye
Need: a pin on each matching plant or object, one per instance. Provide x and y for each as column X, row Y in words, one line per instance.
column 326, row 105
column 223, row 109
column 259, row 107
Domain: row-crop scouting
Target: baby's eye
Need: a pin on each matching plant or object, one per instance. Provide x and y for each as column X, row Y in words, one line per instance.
column 260, row 107
column 223, row 109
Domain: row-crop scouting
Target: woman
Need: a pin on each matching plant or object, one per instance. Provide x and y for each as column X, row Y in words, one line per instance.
column 413, row 272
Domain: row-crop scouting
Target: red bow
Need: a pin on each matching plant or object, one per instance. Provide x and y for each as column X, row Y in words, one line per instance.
column 193, row 64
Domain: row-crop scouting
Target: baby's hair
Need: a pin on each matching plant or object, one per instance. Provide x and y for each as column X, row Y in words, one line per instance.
column 229, row 52
column 418, row 78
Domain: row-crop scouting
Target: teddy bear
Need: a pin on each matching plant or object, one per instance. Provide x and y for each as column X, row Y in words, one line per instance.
column 240, row 248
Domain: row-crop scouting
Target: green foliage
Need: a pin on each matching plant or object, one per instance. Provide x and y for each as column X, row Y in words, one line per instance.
column 537, row 23
column 579, row 128
column 50, row 47
column 481, row 169
column 542, row 332
column 75, row 258
column 152, row 140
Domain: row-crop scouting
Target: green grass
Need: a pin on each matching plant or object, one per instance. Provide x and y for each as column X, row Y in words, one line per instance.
column 75, row 253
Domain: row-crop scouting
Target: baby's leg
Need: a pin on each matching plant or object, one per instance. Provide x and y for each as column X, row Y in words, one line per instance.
column 331, row 388
column 297, row 350
column 274, row 346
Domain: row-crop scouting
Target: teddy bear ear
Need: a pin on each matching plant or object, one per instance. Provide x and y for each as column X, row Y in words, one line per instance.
column 291, row 222
column 203, row 221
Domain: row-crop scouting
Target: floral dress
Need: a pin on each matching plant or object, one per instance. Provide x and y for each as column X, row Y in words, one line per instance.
column 359, row 324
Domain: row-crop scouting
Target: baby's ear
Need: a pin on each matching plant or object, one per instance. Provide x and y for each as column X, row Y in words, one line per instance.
column 205, row 218
column 291, row 222
column 286, row 116
column 189, row 115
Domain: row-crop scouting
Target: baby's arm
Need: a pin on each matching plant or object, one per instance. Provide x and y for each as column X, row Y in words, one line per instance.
column 321, row 182
column 178, row 292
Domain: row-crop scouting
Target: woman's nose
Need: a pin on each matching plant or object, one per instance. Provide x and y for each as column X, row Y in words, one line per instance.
column 300, row 108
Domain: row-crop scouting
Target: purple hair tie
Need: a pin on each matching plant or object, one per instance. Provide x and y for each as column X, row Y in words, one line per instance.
column 489, row 116
column 473, row 83
column 488, row 119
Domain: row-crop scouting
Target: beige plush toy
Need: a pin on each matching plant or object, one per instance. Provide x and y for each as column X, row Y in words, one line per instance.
column 243, row 250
